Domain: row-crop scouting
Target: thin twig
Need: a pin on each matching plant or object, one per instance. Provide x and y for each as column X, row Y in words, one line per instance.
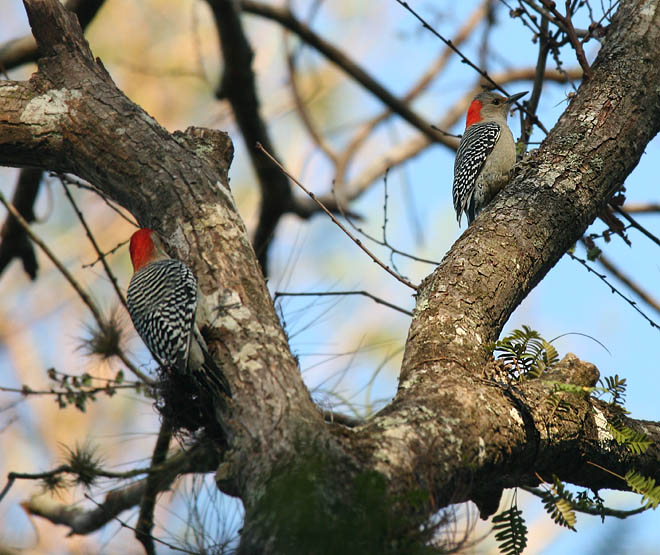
column 614, row 289
column 546, row 15
column 571, row 33
column 196, row 458
column 145, row 523
column 8, row 485
column 67, row 275
column 78, row 288
column 450, row 44
column 466, row 60
column 92, row 240
column 392, row 249
column 337, row 222
column 604, row 511
column 104, row 254
column 529, row 22
column 27, row 390
column 606, row 470
column 67, row 469
column 648, row 299
column 336, row 293
column 81, row 184
column 129, row 527
column 636, row 225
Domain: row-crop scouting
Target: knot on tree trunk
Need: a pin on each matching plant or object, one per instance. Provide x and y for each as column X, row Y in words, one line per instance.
column 572, row 370
column 211, row 144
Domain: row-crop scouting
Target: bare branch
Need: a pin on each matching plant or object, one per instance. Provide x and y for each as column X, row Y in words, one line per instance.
column 286, row 18
column 539, row 78
column 92, row 240
column 432, row 72
column 567, row 26
column 196, row 459
column 339, row 224
column 636, row 225
column 641, row 208
column 341, row 293
column 145, row 522
column 603, row 278
column 15, row 243
column 601, row 512
column 17, row 52
column 634, row 287
column 407, row 150
column 239, row 87
column 101, row 321
column 301, row 106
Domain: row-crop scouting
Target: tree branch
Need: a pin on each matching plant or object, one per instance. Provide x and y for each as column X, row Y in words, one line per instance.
column 469, row 297
column 286, row 18
column 197, row 459
column 153, row 486
column 65, row 118
column 238, row 86
column 15, row 242
column 17, row 52
column 452, row 431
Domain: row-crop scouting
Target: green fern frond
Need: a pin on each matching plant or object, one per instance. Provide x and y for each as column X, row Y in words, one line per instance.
column 526, row 352
column 635, row 441
column 616, row 387
column 558, row 503
column 645, row 487
column 561, row 511
column 511, row 531
column 590, row 501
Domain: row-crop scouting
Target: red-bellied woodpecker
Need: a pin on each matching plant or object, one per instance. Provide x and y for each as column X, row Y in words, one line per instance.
column 164, row 302
column 486, row 154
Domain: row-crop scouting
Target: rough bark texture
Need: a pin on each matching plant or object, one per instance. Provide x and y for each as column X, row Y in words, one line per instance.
column 452, row 431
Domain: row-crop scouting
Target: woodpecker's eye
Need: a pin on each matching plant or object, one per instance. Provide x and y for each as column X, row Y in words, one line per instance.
column 496, row 101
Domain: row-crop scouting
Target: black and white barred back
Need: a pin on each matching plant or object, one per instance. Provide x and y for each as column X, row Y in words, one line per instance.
column 477, row 143
column 162, row 299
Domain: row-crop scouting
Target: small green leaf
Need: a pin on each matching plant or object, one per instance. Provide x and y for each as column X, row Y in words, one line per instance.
column 558, row 503
column 645, row 487
column 593, row 253
column 511, row 532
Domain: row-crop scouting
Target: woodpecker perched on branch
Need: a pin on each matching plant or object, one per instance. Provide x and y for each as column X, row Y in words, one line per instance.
column 486, row 154
column 164, row 302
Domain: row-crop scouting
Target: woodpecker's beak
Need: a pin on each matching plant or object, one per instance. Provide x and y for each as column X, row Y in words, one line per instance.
column 515, row 97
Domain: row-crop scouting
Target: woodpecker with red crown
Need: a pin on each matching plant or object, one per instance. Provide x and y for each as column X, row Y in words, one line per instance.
column 486, row 154
column 165, row 305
